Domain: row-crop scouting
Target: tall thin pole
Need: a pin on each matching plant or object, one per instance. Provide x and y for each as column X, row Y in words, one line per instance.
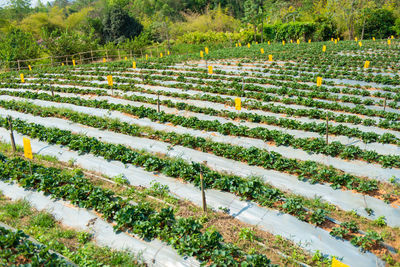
column 203, row 194
column 327, row 129
column 12, row 135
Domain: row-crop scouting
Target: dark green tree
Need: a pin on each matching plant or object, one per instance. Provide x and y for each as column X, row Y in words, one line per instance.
column 378, row 23
column 118, row 25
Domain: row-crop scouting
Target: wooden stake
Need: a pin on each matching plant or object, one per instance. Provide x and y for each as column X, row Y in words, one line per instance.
column 384, row 105
column 52, row 91
column 327, row 130
column 203, row 194
column 12, row 135
column 158, row 101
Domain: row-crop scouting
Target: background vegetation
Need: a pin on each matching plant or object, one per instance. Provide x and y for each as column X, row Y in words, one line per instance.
column 61, row 27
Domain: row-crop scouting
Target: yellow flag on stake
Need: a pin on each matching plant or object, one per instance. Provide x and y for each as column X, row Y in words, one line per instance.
column 298, row 41
column 27, row 148
column 126, row 58
column 29, row 66
column 147, row 56
column 236, row 45
column 73, row 62
column 336, row 263
column 373, row 38
column 238, row 103
column 201, row 54
column 240, row 44
column 335, row 41
column 104, row 60
column 206, row 50
column 257, row 42
column 248, row 45
column 269, row 57
column 110, row 80
column 62, row 63
column 388, row 41
column 210, row 70
column 291, row 41
column 134, row 65
column 262, row 50
column 331, row 39
column 392, row 37
column 324, row 48
column 22, row 78
column 283, row 42
column 161, row 55
column 355, row 39
column 168, row 53
column 309, row 41
column 269, row 42
column 319, row 81
column 366, row 64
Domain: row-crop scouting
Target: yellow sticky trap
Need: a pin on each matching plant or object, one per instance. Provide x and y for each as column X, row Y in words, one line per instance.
column 366, row 64
column 27, row 148
column 319, row 81
column 236, row 45
column 248, row 45
column 22, row 78
column 126, row 58
column 388, row 41
column 335, row 41
column 298, row 41
column 238, row 103
column 291, row 41
column 373, row 38
column 210, row 70
column 283, row 42
column 110, row 80
column 336, row 263
column 168, row 53
column 73, row 62
column 104, row 60
column 392, row 37
column 147, row 56
column 338, row 38
column 331, row 39
column 360, row 43
column 201, row 54
column 324, row 48
column 240, row 44
column 309, row 41
column 206, row 50
column 29, row 66
column 269, row 42
column 270, row 58
column 257, row 42
column 161, row 55
column 355, row 39
column 62, row 63
column 262, row 50
column 134, row 65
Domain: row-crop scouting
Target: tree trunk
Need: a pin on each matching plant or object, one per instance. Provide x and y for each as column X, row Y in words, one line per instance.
column 255, row 32
column 262, row 29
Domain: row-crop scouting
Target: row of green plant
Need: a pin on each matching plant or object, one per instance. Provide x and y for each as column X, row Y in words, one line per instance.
column 311, row 145
column 184, row 234
column 17, row 249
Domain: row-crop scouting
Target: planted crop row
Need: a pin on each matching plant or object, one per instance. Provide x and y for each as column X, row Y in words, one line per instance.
column 183, row 234
column 17, row 250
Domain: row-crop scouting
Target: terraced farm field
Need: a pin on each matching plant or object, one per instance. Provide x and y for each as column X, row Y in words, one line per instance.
column 299, row 174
